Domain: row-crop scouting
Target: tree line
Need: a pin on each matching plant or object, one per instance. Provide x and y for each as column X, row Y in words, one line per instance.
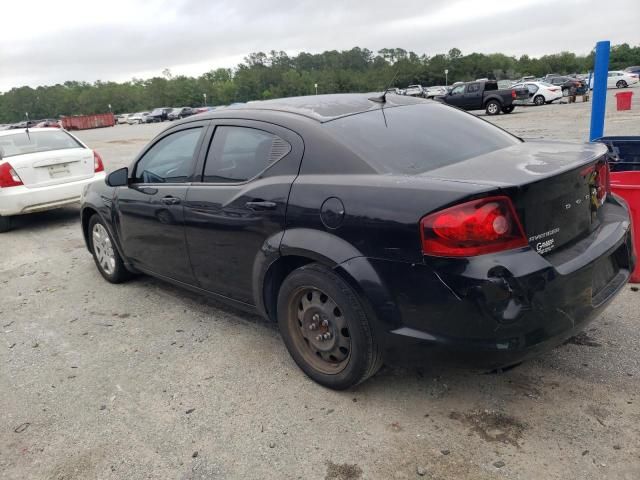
column 275, row 74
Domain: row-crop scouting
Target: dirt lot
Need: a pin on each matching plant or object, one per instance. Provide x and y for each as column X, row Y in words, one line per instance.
column 143, row 380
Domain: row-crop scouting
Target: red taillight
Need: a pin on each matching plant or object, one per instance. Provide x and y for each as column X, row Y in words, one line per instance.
column 8, row 176
column 513, row 94
column 98, row 166
column 482, row 226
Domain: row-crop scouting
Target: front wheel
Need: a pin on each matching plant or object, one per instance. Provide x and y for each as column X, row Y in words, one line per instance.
column 105, row 253
column 538, row 100
column 5, row 224
column 492, row 107
column 621, row 84
column 325, row 328
column 508, row 109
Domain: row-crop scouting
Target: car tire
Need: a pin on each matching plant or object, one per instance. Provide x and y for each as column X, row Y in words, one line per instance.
column 105, row 254
column 492, row 107
column 5, row 224
column 508, row 109
column 315, row 302
column 538, row 100
column 621, row 84
column 139, row 122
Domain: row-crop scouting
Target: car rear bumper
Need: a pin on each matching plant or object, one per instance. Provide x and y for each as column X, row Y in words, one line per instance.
column 493, row 311
column 22, row 200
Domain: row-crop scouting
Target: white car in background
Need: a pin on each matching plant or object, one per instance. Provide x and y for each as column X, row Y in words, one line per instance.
column 137, row 118
column 619, row 79
column 42, row 169
column 436, row 91
column 539, row 93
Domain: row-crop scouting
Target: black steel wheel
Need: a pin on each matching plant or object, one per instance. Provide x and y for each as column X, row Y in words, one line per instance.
column 326, row 329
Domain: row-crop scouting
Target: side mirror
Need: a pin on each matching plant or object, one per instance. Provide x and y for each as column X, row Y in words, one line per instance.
column 118, row 178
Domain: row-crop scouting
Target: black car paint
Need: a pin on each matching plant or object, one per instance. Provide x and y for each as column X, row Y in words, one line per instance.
column 495, row 308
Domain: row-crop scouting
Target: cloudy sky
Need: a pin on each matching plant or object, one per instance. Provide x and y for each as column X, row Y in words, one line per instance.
column 46, row 42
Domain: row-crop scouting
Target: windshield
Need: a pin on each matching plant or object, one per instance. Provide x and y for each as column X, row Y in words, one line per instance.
column 418, row 138
column 23, row 143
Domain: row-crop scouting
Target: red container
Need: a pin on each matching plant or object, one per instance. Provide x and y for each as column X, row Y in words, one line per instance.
column 627, row 185
column 623, row 100
column 84, row 122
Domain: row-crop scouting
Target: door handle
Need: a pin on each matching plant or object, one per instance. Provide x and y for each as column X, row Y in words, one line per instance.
column 170, row 200
column 261, row 205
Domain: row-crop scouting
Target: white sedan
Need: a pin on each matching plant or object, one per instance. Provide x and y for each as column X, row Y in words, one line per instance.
column 42, row 169
column 137, row 118
column 619, row 79
column 539, row 93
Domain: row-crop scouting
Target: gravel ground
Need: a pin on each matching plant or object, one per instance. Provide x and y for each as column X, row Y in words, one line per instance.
column 143, row 380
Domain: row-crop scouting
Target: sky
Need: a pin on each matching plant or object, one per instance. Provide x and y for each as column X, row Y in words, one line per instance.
column 46, row 42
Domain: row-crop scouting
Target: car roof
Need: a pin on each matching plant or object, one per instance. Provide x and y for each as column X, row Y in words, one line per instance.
column 322, row 108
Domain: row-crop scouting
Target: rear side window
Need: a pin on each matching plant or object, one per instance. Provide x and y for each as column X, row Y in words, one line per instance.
column 33, row 142
column 238, row 154
column 474, row 87
column 418, row 138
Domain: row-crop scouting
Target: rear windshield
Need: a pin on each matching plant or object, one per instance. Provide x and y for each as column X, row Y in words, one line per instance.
column 23, row 143
column 418, row 138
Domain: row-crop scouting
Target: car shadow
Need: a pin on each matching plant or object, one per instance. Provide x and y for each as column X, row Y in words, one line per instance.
column 60, row 217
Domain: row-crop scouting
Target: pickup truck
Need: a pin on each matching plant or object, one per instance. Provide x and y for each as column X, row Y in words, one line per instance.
column 485, row 95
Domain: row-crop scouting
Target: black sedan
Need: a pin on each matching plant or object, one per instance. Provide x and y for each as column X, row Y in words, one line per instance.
column 371, row 229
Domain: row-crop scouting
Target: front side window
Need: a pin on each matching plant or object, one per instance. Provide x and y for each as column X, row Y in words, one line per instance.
column 170, row 160
column 458, row 90
column 238, row 154
column 532, row 88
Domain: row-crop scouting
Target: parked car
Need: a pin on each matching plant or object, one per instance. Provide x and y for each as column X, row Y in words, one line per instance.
column 137, row 118
column 413, row 232
column 159, row 114
column 395, row 91
column 484, row 95
column 569, row 85
column 42, row 169
column 180, row 113
column 49, row 123
column 635, row 69
column 620, row 79
column 122, row 118
column 539, row 93
column 430, row 92
column 414, row 91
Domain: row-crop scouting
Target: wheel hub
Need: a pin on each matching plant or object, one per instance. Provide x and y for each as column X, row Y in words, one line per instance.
column 322, row 332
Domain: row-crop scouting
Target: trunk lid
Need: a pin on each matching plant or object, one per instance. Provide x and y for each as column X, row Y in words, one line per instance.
column 53, row 167
column 551, row 185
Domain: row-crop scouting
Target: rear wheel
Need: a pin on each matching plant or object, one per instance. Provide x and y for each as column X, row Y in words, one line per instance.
column 325, row 328
column 492, row 107
column 538, row 100
column 105, row 254
column 508, row 109
column 5, row 224
column 621, row 84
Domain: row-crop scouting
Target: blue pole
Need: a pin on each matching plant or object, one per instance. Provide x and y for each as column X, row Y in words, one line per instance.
column 599, row 103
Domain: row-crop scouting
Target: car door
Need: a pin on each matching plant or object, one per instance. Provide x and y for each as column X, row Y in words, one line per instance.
column 149, row 210
column 532, row 88
column 456, row 96
column 472, row 96
column 237, row 209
